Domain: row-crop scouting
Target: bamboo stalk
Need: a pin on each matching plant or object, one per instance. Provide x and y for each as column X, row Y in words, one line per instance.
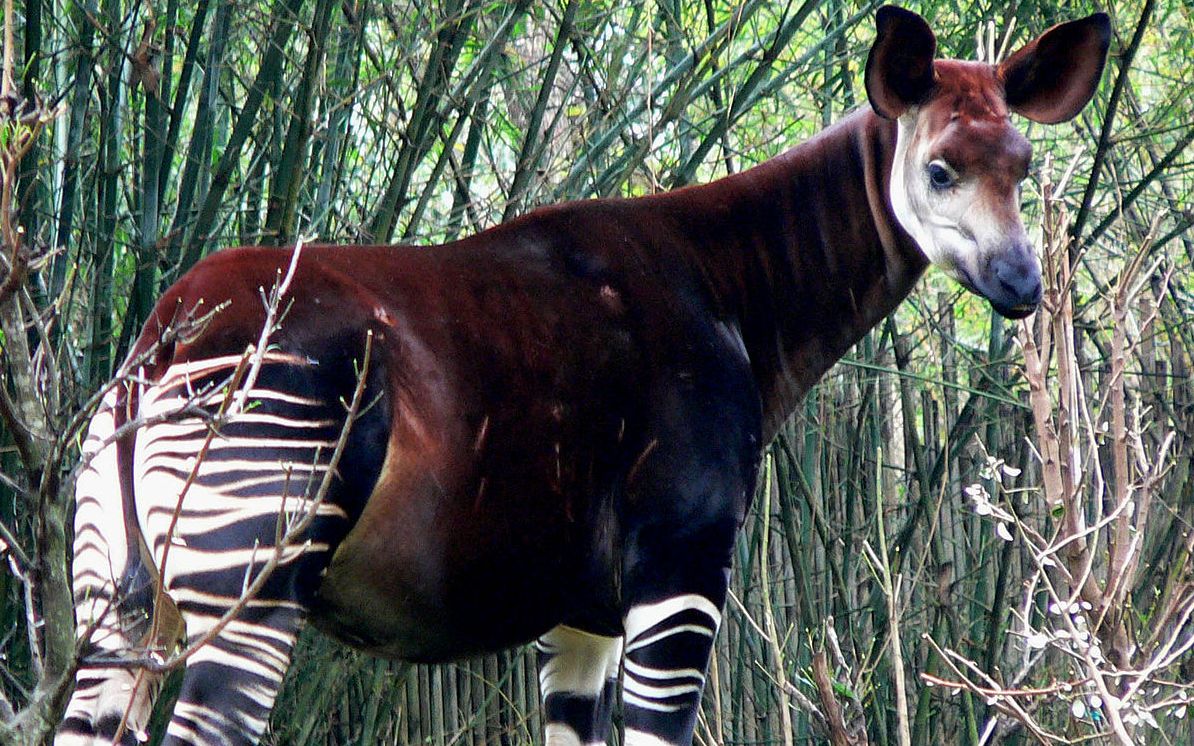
column 344, row 76
column 281, row 217
column 1125, row 63
column 77, row 111
column 424, row 118
column 534, row 143
column 198, row 157
column 282, row 24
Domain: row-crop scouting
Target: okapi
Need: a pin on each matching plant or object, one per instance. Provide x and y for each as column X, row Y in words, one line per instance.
column 556, row 424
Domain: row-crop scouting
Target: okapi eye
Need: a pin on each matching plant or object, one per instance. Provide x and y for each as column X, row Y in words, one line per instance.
column 940, row 177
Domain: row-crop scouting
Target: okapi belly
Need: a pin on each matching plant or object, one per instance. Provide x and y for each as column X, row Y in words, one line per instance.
column 428, row 574
column 422, row 576
column 390, row 601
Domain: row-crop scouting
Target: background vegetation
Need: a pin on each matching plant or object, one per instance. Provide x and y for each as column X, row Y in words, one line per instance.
column 974, row 531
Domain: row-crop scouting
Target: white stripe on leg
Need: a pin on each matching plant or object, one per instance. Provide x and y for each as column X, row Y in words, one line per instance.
column 667, row 650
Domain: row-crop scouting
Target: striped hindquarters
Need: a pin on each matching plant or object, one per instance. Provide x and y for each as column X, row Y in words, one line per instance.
column 241, row 521
column 238, row 508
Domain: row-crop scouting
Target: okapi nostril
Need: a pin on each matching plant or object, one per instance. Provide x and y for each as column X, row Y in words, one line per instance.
column 1018, row 276
column 1035, row 295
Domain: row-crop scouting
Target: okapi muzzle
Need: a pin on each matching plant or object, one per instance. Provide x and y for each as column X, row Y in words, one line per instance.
column 959, row 161
column 550, row 430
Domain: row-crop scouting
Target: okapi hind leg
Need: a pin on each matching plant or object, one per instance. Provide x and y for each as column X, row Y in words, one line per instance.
column 578, row 679
column 261, row 512
column 230, row 683
column 114, row 596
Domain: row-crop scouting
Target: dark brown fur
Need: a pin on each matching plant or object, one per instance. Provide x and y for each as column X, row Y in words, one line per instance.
column 521, row 364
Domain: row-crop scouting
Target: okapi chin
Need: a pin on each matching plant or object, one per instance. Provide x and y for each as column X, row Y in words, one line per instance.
column 555, row 425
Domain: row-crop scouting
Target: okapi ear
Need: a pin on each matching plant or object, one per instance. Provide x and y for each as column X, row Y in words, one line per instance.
column 1051, row 78
column 899, row 69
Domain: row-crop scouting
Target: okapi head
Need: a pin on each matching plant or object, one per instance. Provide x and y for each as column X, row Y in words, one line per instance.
column 955, row 180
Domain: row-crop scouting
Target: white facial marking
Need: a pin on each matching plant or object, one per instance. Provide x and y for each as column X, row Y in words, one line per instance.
column 931, row 219
column 950, row 222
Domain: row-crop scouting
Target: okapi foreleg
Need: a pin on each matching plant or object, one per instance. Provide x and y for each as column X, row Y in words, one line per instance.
column 668, row 644
column 578, row 679
column 684, row 505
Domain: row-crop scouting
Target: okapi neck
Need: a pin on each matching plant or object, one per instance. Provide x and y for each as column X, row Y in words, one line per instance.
column 805, row 254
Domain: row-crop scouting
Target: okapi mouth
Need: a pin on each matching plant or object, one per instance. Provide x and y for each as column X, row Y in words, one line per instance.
column 1012, row 311
column 1015, row 313
column 1024, row 298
